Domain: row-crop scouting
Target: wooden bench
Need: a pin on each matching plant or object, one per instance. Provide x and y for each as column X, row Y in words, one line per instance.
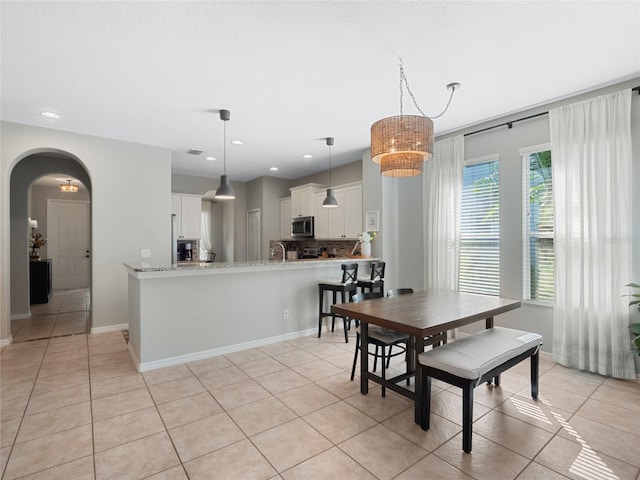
column 475, row 359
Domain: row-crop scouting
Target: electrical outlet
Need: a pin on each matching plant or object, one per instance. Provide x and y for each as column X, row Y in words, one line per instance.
column 145, row 253
column 285, row 314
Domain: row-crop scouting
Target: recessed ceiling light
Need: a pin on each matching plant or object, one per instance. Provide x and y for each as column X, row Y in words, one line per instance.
column 274, row 169
column 46, row 114
column 307, row 155
column 211, row 159
column 237, row 142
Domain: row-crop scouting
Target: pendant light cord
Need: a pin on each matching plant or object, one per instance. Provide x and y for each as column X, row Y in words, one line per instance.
column 224, row 146
column 330, row 181
column 405, row 82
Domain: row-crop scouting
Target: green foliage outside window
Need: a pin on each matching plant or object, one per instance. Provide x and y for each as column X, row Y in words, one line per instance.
column 541, row 267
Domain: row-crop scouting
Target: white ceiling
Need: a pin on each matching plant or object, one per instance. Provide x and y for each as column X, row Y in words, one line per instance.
column 292, row 73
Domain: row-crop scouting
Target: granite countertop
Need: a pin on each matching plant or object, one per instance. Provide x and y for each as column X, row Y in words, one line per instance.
column 200, row 266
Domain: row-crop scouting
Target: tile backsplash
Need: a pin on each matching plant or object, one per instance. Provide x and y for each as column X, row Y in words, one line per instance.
column 335, row 248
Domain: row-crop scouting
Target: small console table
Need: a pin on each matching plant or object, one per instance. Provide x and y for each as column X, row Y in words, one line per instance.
column 40, row 281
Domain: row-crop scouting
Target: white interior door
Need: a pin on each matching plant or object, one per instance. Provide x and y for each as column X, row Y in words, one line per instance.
column 68, row 239
column 253, row 234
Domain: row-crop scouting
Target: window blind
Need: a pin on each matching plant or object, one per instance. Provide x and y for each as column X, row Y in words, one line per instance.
column 480, row 229
column 537, row 201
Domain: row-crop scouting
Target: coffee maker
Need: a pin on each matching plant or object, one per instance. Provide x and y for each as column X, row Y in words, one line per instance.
column 185, row 251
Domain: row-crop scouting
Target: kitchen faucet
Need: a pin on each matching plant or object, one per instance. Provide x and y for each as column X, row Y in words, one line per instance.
column 284, row 250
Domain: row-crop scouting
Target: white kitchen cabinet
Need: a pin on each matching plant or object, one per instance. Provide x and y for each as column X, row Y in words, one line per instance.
column 321, row 215
column 353, row 211
column 188, row 211
column 344, row 221
column 336, row 215
column 285, row 217
column 302, row 199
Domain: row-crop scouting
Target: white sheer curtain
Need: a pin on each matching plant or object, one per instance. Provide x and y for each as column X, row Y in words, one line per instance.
column 591, row 148
column 205, row 239
column 443, row 196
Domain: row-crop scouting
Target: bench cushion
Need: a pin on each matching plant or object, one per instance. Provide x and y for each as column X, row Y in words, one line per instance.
column 472, row 356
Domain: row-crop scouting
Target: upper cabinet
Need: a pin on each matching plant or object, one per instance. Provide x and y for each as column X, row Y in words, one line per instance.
column 321, row 215
column 302, row 199
column 344, row 221
column 353, row 210
column 285, row 218
column 188, row 211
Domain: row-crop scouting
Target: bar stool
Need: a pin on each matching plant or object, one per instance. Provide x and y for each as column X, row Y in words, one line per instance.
column 346, row 285
column 375, row 281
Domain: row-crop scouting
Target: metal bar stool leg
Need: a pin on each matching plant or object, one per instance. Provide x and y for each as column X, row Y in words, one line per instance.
column 321, row 305
column 333, row 315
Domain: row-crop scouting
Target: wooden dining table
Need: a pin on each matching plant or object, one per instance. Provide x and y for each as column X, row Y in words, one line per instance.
column 419, row 314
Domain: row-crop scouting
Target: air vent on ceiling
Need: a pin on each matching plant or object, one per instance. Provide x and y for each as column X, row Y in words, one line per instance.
column 194, row 151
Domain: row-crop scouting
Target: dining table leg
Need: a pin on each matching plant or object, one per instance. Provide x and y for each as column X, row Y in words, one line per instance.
column 418, row 348
column 364, row 357
column 489, row 322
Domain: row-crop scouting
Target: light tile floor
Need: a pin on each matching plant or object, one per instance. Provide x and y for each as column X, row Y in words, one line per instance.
column 74, row 407
column 66, row 313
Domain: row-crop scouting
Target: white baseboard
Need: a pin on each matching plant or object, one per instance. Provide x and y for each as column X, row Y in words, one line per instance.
column 214, row 352
column 20, row 316
column 109, row 328
column 134, row 357
column 5, row 342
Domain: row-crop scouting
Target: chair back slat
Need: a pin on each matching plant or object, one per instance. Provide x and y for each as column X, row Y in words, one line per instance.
column 377, row 271
column 399, row 291
column 359, row 297
column 349, row 272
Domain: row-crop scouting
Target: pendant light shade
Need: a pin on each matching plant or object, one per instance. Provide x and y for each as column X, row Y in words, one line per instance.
column 401, row 144
column 224, row 191
column 330, row 200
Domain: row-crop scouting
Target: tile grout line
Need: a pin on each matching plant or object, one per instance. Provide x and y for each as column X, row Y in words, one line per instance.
column 13, row 444
column 93, row 434
column 493, row 408
column 247, row 437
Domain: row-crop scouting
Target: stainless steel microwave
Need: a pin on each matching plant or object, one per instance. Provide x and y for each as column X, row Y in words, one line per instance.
column 302, row 227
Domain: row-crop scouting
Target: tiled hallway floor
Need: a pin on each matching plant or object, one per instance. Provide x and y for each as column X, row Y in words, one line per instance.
column 66, row 313
column 75, row 408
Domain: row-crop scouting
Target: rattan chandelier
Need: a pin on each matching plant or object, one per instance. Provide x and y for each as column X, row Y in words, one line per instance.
column 401, row 144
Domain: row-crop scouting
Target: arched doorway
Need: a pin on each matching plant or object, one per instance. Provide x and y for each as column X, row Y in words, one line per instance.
column 34, row 194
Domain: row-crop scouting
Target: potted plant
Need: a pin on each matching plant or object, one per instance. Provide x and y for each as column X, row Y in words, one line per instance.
column 634, row 328
column 365, row 242
column 37, row 241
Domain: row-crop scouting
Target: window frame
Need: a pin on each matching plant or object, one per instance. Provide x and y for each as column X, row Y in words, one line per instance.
column 470, row 163
column 527, row 234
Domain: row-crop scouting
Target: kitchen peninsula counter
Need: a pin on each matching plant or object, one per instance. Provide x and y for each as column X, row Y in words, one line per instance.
column 224, row 267
column 186, row 312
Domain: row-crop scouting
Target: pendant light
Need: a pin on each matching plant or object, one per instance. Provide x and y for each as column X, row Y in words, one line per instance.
column 402, row 144
column 67, row 187
column 330, row 201
column 224, row 191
